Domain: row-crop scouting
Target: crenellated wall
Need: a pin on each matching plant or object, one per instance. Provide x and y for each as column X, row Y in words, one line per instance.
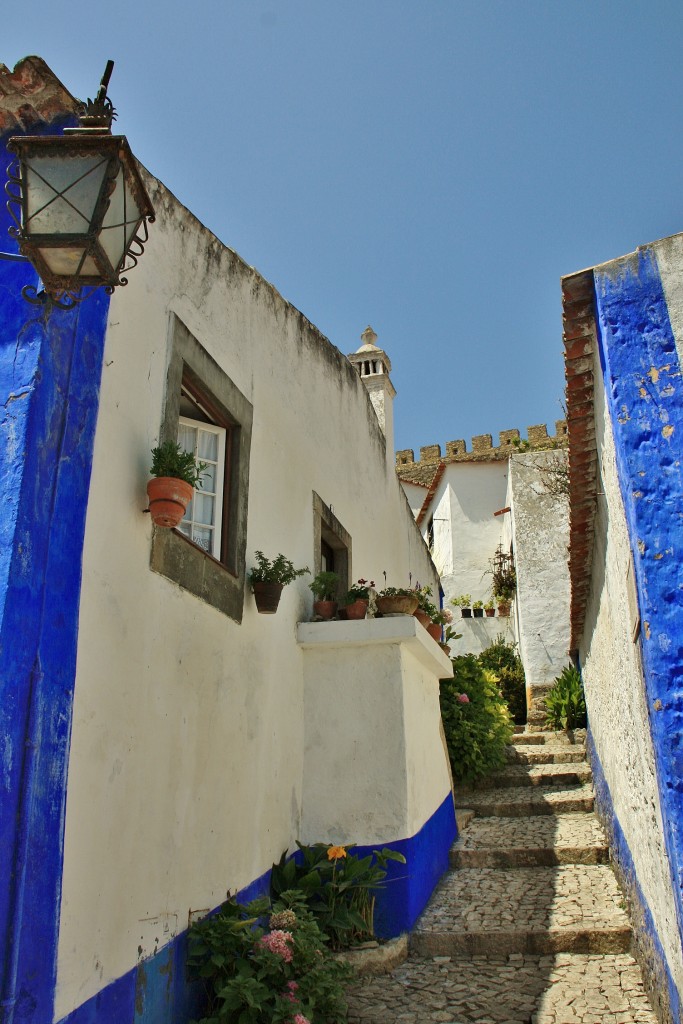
column 482, row 450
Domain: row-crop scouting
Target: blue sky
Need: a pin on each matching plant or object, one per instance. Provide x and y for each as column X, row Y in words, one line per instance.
column 431, row 168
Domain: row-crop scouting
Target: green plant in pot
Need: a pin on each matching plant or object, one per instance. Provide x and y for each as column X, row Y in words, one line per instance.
column 463, row 601
column 397, row 601
column 267, row 579
column 478, row 609
column 489, row 608
column 357, row 598
column 175, row 474
column 324, row 586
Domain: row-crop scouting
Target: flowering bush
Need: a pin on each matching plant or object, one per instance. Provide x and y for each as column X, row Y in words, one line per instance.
column 337, row 887
column 476, row 720
column 254, row 974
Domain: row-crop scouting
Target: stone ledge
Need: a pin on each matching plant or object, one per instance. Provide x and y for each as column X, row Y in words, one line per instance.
column 376, row 958
column 395, row 629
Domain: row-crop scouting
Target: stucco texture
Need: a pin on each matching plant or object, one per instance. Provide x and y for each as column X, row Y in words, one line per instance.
column 187, row 754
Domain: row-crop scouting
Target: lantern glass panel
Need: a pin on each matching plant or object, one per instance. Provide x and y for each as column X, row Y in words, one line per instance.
column 62, row 192
column 120, row 221
column 65, row 262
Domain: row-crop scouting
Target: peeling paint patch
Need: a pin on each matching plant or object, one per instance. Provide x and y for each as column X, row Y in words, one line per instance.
column 667, row 431
column 641, row 547
column 647, row 629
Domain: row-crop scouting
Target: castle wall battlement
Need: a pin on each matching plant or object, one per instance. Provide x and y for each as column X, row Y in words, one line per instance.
column 483, row 449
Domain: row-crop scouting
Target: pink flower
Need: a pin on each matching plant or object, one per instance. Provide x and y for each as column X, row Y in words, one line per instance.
column 300, row 1019
column 290, row 994
column 463, row 698
column 277, row 942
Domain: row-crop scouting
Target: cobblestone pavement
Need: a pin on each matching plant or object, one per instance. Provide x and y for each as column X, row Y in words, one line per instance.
column 501, row 943
column 560, row 989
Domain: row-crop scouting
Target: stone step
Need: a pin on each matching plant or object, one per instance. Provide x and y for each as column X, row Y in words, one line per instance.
column 536, row 775
column 546, row 753
column 529, row 738
column 584, row 989
column 511, row 802
column 523, row 842
column 573, row 908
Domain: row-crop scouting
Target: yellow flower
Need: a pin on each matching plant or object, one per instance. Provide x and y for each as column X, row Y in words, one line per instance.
column 336, row 853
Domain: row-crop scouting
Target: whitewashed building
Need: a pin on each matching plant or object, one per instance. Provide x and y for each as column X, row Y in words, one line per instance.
column 178, row 741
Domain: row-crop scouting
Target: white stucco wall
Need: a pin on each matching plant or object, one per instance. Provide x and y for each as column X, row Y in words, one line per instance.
column 372, row 733
column 475, row 491
column 539, row 523
column 615, row 698
column 415, row 495
column 187, row 752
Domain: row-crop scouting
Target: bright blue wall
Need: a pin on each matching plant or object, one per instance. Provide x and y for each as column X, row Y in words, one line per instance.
column 646, row 413
column 49, row 388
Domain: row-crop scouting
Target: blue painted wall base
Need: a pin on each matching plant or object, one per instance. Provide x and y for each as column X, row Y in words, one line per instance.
column 157, row 991
column 662, row 990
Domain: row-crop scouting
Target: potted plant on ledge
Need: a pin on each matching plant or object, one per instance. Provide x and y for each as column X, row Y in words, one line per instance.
column 397, row 601
column 357, row 598
column 268, row 578
column 478, row 609
column 175, row 474
column 490, row 609
column 463, row 603
column 324, row 587
column 425, row 608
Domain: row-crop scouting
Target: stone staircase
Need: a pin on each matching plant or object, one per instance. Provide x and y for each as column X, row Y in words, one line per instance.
column 529, row 924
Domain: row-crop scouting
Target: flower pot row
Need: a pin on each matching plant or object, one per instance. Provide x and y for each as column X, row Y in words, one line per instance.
column 478, row 613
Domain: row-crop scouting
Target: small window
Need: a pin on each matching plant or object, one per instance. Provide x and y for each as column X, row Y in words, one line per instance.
column 202, row 522
column 208, row 415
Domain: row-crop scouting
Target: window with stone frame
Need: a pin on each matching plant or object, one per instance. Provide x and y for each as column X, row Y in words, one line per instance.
column 207, row 414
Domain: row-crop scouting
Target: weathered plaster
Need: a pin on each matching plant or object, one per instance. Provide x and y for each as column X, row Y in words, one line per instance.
column 539, row 520
column 187, row 761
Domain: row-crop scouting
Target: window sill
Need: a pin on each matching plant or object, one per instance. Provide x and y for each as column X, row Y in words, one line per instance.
column 193, row 569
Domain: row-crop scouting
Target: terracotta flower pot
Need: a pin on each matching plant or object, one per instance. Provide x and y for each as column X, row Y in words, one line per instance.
column 325, row 609
column 504, row 610
column 267, row 597
column 445, row 648
column 168, row 499
column 490, row 612
column 397, row 604
column 422, row 617
column 434, row 630
column 357, row 610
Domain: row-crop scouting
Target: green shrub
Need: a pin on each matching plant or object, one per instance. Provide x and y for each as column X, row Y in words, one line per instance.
column 258, row 974
column 564, row 702
column 476, row 720
column 337, row 887
column 502, row 659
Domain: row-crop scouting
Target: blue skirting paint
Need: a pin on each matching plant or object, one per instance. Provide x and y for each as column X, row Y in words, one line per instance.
column 647, row 939
column 644, row 392
column 408, row 887
column 157, row 989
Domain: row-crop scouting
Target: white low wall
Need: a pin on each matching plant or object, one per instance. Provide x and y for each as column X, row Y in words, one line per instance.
column 372, row 734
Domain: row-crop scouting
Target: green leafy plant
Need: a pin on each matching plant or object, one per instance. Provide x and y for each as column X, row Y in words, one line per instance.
column 477, row 604
column 358, row 592
column 423, row 595
column 324, row 585
column 169, row 459
column 450, row 634
column 261, row 965
column 462, row 600
column 488, row 605
column 280, row 570
column 565, row 703
column 476, row 720
column 397, row 592
column 502, row 659
column 442, row 616
column 337, row 886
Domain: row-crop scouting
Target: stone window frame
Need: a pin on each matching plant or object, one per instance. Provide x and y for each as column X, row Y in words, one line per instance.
column 220, row 584
column 326, row 527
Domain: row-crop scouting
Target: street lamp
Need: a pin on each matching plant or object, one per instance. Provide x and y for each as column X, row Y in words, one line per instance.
column 79, row 206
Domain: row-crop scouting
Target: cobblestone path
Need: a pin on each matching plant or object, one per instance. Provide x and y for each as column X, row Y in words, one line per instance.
column 529, row 925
